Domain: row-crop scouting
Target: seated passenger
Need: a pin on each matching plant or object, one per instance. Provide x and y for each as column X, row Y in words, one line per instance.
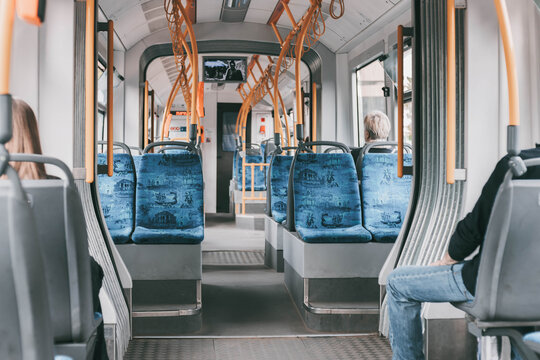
column 25, row 139
column 450, row 279
column 376, row 128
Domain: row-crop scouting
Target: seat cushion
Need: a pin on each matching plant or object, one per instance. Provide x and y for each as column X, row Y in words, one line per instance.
column 260, row 174
column 169, row 199
column 279, row 181
column 327, row 199
column 385, row 197
column 353, row 234
column 143, row 235
column 117, row 196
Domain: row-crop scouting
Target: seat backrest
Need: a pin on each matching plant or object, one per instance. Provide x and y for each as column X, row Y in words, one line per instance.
column 385, row 196
column 260, row 174
column 279, row 181
column 61, row 229
column 117, row 196
column 170, row 192
column 326, row 193
column 25, row 320
column 508, row 283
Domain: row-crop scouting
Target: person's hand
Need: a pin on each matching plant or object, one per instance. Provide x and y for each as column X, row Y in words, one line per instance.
column 446, row 260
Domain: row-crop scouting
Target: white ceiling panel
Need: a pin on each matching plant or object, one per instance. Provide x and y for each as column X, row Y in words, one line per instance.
column 258, row 16
column 298, row 8
column 132, row 27
column 208, row 10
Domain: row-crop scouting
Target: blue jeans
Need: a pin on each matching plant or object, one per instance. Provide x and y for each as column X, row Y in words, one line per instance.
column 408, row 287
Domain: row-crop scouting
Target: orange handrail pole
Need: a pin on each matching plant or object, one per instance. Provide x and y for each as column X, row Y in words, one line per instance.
column 511, row 73
column 450, row 92
column 193, row 59
column 7, row 18
column 110, row 96
column 400, row 100
column 276, row 31
column 89, row 153
column 145, row 124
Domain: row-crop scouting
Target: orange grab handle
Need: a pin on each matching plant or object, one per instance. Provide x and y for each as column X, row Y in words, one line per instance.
column 511, row 73
column 31, row 11
column 7, row 15
column 110, row 96
column 89, row 142
column 450, row 92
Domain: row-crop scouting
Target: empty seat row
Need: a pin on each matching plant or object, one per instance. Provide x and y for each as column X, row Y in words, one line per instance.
column 154, row 198
column 327, row 203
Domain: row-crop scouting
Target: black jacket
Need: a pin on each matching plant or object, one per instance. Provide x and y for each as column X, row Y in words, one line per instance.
column 470, row 231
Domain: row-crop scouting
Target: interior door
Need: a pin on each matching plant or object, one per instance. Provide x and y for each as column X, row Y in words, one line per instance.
column 227, row 114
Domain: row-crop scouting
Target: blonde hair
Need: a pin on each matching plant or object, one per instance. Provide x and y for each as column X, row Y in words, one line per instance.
column 25, row 140
column 376, row 126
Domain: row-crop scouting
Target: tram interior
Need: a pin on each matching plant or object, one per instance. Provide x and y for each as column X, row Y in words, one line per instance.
column 217, row 160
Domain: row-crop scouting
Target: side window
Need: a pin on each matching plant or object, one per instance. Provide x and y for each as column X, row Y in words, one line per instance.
column 370, row 94
column 101, row 100
column 407, row 95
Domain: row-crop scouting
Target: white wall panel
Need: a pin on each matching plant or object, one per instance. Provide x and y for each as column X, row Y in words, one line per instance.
column 56, row 85
column 24, row 63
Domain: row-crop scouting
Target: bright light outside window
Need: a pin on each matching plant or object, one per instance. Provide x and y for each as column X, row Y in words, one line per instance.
column 370, row 83
column 407, row 89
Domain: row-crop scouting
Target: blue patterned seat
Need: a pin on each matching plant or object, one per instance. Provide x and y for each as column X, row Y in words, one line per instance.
column 169, row 201
column 385, row 197
column 137, row 162
column 279, row 181
column 327, row 199
column 260, row 175
column 117, row 194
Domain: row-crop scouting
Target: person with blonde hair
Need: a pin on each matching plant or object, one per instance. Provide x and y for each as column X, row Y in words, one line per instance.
column 376, row 126
column 25, row 140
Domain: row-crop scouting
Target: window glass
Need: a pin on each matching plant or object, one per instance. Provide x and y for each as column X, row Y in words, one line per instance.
column 369, row 84
column 407, row 70
column 101, row 128
column 407, row 95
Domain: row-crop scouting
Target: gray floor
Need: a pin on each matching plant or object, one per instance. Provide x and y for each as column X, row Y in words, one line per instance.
column 370, row 347
column 248, row 301
column 248, row 313
column 221, row 233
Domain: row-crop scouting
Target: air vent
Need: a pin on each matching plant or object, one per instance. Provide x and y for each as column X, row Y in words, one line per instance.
column 234, row 10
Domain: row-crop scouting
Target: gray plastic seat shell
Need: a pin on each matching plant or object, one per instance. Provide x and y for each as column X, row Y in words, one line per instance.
column 25, row 323
column 508, row 283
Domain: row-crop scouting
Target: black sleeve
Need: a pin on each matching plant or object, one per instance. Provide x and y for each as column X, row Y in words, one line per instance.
column 470, row 231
